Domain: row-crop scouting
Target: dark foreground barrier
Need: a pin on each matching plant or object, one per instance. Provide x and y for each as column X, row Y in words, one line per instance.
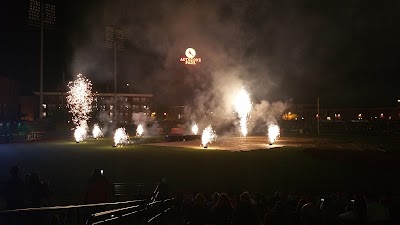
column 71, row 214
column 133, row 212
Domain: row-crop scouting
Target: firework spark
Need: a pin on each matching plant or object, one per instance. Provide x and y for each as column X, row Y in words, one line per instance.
column 80, row 133
column 273, row 133
column 195, row 129
column 97, row 132
column 120, row 137
column 208, row 136
column 243, row 108
column 79, row 102
column 139, row 130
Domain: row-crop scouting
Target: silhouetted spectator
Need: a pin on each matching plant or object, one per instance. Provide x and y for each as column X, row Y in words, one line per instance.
column 213, row 200
column 358, row 213
column 245, row 212
column 278, row 216
column 98, row 188
column 329, row 215
column 310, row 214
column 300, row 205
column 376, row 212
column 15, row 190
column 199, row 213
column 35, row 191
column 222, row 211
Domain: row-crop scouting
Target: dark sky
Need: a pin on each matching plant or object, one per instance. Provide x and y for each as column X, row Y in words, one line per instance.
column 346, row 52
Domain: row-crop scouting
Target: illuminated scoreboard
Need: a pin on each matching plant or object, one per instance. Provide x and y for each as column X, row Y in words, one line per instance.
column 190, row 58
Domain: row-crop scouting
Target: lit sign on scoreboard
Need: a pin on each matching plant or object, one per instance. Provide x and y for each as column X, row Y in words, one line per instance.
column 190, row 57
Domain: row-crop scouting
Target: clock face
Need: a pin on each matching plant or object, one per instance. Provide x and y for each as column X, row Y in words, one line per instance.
column 190, row 53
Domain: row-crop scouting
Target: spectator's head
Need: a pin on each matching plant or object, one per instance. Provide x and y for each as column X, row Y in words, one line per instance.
column 326, row 204
column 35, row 178
column 199, row 199
column 245, row 197
column 14, row 171
column 309, row 214
column 278, row 208
column 300, row 205
column 223, row 201
column 359, row 206
column 97, row 173
column 215, row 197
column 372, row 197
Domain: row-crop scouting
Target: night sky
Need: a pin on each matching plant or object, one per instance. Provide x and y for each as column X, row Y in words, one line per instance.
column 345, row 52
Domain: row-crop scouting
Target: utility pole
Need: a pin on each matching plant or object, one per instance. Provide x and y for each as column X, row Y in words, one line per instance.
column 114, row 40
column 318, row 115
column 41, row 58
column 43, row 15
column 62, row 90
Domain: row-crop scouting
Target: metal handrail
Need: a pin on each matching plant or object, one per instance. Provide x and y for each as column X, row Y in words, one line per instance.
column 69, row 206
column 111, row 215
column 159, row 214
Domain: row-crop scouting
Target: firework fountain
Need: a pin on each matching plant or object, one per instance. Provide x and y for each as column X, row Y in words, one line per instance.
column 195, row 129
column 208, row 136
column 120, row 137
column 273, row 133
column 139, row 130
column 97, row 132
column 243, row 108
column 79, row 102
column 81, row 132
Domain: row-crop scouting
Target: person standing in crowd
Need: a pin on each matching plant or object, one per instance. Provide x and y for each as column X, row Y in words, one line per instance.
column 14, row 191
column 222, row 211
column 245, row 212
column 98, row 188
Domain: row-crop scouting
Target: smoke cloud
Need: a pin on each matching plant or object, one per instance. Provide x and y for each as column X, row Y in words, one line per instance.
column 225, row 34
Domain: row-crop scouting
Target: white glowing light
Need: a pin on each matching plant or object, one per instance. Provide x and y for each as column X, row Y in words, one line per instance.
column 80, row 133
column 273, row 133
column 195, row 129
column 208, row 136
column 79, row 102
column 97, row 132
column 120, row 137
column 243, row 108
column 139, row 130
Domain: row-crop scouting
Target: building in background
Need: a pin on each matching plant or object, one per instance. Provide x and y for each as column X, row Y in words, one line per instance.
column 128, row 105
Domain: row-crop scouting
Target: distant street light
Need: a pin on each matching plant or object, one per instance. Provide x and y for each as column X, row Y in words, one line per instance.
column 115, row 40
column 130, row 88
column 43, row 15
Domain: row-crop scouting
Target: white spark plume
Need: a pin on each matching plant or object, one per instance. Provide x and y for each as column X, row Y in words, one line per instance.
column 195, row 129
column 97, row 132
column 139, row 130
column 120, row 137
column 80, row 132
column 208, row 136
column 273, row 133
column 243, row 108
column 79, row 102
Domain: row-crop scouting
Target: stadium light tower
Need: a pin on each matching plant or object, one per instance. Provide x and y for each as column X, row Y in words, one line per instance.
column 115, row 40
column 43, row 15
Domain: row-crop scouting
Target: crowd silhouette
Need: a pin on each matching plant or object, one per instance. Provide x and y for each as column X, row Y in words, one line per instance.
column 244, row 208
column 288, row 209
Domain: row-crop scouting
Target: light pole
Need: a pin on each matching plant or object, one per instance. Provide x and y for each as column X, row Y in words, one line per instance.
column 115, row 40
column 42, row 15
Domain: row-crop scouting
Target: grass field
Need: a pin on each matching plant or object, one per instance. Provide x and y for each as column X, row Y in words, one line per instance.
column 68, row 165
